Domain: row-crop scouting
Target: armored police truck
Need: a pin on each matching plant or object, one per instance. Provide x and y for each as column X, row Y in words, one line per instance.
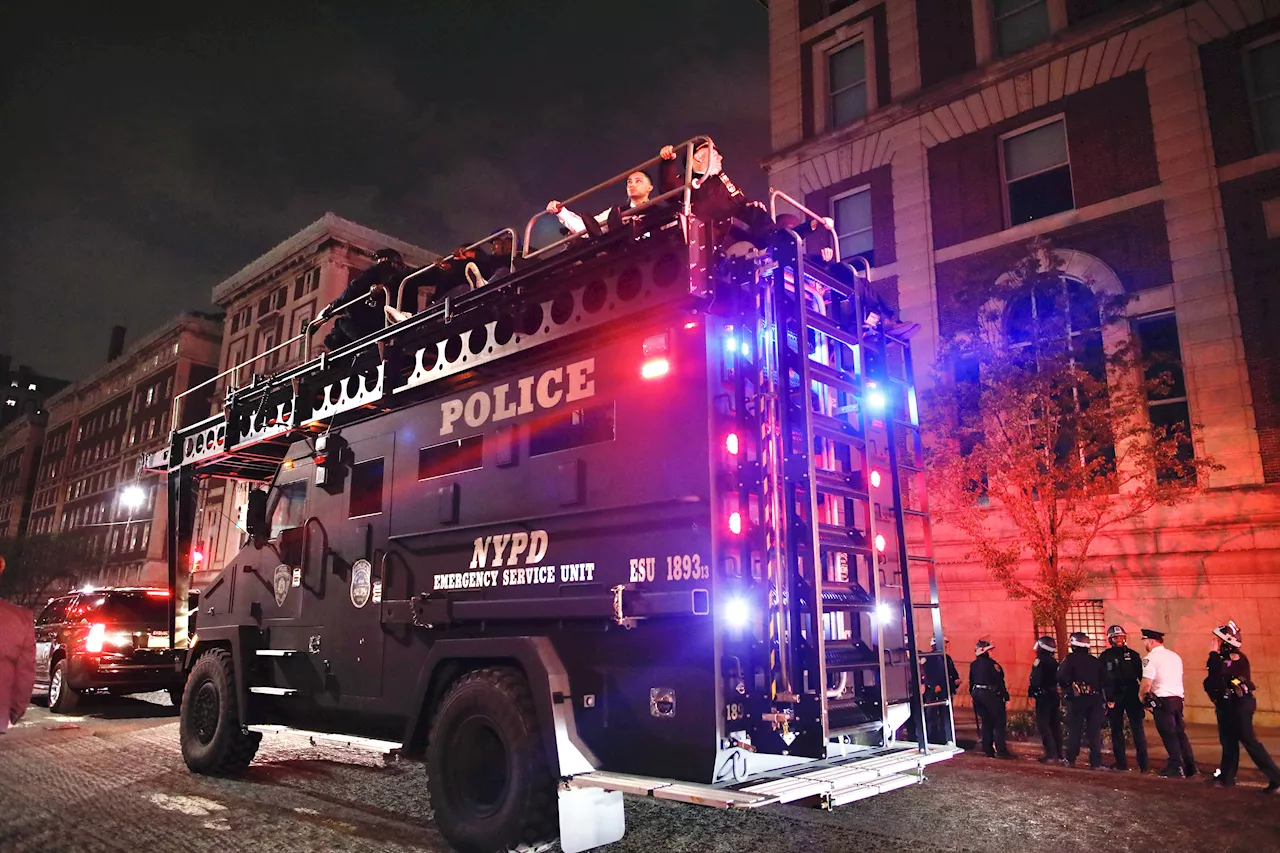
column 643, row 515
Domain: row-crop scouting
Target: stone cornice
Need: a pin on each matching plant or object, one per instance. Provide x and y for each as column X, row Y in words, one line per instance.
column 326, row 227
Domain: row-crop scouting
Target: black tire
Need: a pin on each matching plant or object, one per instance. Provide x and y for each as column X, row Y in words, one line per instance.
column 63, row 698
column 214, row 742
column 487, row 771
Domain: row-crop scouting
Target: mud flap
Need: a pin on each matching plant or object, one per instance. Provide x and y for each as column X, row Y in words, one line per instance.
column 590, row 817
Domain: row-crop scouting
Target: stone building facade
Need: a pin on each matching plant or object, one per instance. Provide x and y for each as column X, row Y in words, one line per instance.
column 87, row 485
column 1143, row 138
column 19, row 458
column 267, row 303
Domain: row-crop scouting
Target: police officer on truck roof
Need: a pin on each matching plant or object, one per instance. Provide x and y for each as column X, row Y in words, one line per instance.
column 714, row 197
column 1080, row 677
column 1164, row 694
column 941, row 681
column 987, row 687
column 364, row 317
column 1229, row 686
column 1121, row 674
column 1043, row 687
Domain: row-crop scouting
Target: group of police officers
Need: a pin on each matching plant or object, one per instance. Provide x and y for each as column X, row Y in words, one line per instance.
column 1118, row 685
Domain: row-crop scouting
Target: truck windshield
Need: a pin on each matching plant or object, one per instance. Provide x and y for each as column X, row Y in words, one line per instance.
column 290, row 507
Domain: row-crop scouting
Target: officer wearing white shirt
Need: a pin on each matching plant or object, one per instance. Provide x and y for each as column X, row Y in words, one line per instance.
column 638, row 188
column 1162, row 689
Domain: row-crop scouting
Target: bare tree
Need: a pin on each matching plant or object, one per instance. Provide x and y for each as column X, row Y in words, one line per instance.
column 35, row 565
column 1038, row 419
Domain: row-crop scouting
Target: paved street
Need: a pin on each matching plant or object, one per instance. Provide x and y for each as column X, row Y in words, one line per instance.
column 111, row 779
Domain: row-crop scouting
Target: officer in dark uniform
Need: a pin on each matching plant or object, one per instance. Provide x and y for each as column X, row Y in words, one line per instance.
column 1229, row 686
column 941, row 681
column 1043, row 688
column 366, row 316
column 1121, row 675
column 987, row 687
column 714, row 197
column 1081, row 679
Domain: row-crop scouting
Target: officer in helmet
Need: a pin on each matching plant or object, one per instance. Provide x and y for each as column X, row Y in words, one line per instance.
column 1043, row 688
column 1081, row 679
column 941, row 681
column 1229, row 686
column 1121, row 675
column 987, row 687
column 365, row 316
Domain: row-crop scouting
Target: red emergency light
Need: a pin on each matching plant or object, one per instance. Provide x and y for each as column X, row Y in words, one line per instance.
column 731, row 443
column 655, row 368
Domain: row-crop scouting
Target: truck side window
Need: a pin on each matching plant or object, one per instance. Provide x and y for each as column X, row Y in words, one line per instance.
column 290, row 509
column 574, row 428
column 465, row 454
column 366, row 488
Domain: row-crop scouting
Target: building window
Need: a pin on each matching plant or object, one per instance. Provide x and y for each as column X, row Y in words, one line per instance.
column 847, row 84
column 1264, row 91
column 1166, row 387
column 306, row 283
column 1084, row 616
column 1037, row 171
column 1019, row 24
column 366, row 488
column 852, row 212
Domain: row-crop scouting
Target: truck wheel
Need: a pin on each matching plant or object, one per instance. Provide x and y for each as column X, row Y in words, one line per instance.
column 487, row 772
column 62, row 697
column 213, row 740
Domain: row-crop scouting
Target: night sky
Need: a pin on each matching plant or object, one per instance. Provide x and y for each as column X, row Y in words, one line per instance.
column 148, row 157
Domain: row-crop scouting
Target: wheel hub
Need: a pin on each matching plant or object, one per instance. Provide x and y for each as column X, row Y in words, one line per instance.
column 204, row 712
column 479, row 770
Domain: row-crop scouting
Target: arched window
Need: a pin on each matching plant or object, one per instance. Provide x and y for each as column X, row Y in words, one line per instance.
column 1056, row 316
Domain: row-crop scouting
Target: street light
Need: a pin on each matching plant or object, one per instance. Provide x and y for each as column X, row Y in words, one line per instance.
column 132, row 497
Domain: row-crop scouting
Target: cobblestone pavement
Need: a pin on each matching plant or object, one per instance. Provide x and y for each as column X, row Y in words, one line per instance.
column 111, row 778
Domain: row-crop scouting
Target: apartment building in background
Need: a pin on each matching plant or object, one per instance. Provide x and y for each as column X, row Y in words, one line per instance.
column 88, row 488
column 19, row 458
column 267, row 303
column 23, row 390
column 1143, row 138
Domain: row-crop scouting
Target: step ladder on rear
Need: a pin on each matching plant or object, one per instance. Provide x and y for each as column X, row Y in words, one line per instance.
column 845, row 484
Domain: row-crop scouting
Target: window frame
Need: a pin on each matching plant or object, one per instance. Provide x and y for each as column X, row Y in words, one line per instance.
column 1094, row 624
column 1134, row 322
column 831, row 211
column 1003, row 138
column 1245, row 57
column 844, row 37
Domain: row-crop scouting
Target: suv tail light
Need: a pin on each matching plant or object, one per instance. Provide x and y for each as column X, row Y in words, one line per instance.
column 97, row 636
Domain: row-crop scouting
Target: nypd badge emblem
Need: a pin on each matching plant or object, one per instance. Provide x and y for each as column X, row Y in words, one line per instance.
column 281, row 583
column 361, row 583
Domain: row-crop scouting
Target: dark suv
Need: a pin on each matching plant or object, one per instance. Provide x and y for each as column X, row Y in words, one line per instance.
column 107, row 639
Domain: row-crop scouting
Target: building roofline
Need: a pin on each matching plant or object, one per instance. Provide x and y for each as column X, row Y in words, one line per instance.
column 200, row 321
column 329, row 225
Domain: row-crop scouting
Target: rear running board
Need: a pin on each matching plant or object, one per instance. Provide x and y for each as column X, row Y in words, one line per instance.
column 273, row 691
column 832, row 784
column 276, row 653
column 364, row 744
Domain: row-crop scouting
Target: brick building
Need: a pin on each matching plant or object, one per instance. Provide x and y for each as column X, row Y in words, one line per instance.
column 267, row 303
column 19, row 458
column 87, row 484
column 23, row 390
column 1143, row 138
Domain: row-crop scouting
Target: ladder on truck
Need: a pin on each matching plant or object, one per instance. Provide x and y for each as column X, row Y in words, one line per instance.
column 844, row 513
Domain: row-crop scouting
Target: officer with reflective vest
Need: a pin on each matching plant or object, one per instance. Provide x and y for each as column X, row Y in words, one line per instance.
column 1121, row 675
column 1081, row 679
column 1043, row 688
column 1229, row 686
column 987, row 687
